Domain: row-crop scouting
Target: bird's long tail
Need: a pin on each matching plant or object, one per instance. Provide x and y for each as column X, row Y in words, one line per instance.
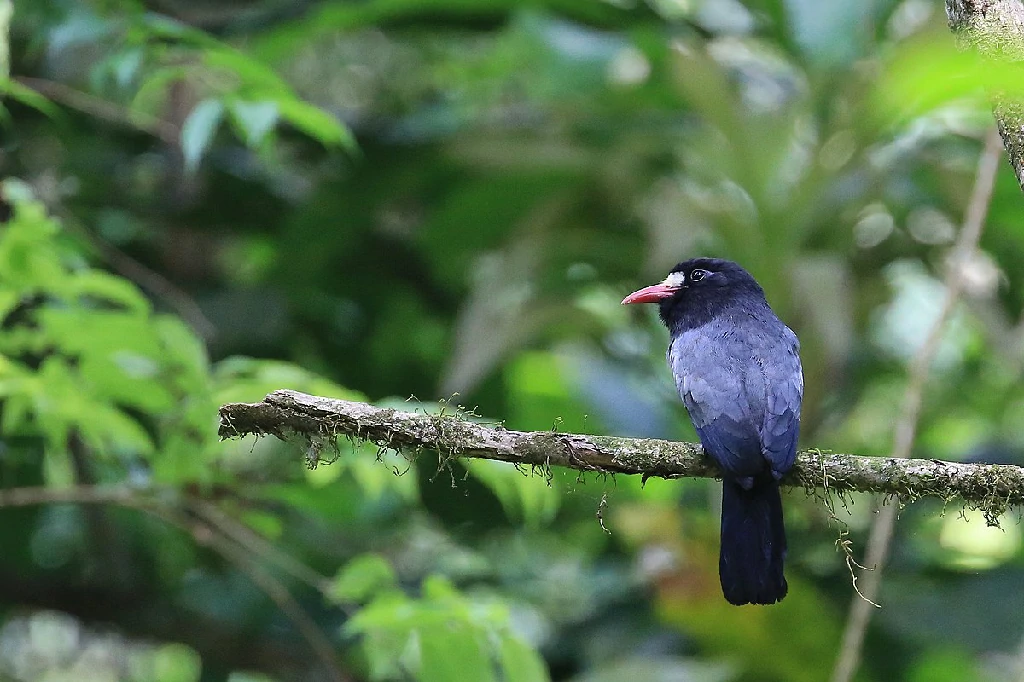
column 753, row 544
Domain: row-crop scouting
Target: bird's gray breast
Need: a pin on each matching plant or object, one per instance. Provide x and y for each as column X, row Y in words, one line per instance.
column 718, row 374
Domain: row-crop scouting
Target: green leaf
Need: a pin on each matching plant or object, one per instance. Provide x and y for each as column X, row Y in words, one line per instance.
column 267, row 524
column 176, row 663
column 28, row 261
column 388, row 611
column 198, row 130
column 384, row 472
column 362, row 578
column 110, row 288
column 28, row 97
column 316, row 123
column 184, row 352
column 162, row 26
column 442, row 636
column 929, row 72
column 182, row 458
column 15, row 415
column 949, row 664
column 153, row 91
column 124, row 66
column 8, row 301
column 19, row 193
column 453, row 652
column 254, row 119
column 104, row 425
column 53, row 398
column 119, row 358
column 256, row 78
column 57, row 472
column 521, row 663
column 440, row 589
column 384, row 651
column 241, row 379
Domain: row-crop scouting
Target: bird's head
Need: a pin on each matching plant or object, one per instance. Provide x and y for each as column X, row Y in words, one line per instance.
column 698, row 288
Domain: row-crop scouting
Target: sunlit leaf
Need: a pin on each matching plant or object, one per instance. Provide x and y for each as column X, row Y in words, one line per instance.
column 378, row 473
column 268, row 525
column 152, row 93
column 176, row 663
column 316, row 123
column 104, row 426
column 183, row 350
column 946, row 664
column 362, row 578
column 109, row 288
column 521, row 663
column 163, row 26
column 928, row 73
column 17, row 409
column 255, row 119
column 198, row 130
column 384, row 651
column 451, row 652
column 241, row 379
column 27, row 96
column 256, row 78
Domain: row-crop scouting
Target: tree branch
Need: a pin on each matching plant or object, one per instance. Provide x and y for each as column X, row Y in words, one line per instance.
column 102, row 109
column 995, row 29
column 286, row 414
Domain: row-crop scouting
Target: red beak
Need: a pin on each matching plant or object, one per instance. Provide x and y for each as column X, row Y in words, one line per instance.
column 650, row 294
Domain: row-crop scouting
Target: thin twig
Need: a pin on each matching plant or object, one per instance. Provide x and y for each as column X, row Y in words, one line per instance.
column 278, row 593
column 161, row 504
column 1017, row 663
column 156, row 284
column 257, row 545
column 963, row 252
column 111, row 554
column 102, row 109
column 122, row 496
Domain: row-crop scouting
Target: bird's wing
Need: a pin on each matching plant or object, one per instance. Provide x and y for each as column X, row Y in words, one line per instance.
column 781, row 428
column 715, row 391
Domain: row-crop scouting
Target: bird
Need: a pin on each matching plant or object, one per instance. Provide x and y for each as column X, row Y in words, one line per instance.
column 737, row 369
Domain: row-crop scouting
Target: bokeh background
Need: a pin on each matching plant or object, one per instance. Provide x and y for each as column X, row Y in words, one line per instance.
column 443, row 202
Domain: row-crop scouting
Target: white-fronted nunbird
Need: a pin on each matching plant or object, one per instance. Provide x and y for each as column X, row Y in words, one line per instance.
column 737, row 370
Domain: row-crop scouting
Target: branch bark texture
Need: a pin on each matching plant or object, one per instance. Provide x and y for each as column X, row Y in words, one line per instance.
column 288, row 414
column 995, row 29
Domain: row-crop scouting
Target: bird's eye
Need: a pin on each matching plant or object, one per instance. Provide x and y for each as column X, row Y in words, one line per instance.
column 698, row 274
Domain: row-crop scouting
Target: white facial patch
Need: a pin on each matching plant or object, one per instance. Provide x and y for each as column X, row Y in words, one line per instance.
column 675, row 280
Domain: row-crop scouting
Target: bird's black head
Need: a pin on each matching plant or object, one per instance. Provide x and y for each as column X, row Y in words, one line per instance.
column 695, row 290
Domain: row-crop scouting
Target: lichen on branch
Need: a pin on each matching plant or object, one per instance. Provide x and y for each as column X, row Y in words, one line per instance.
column 992, row 488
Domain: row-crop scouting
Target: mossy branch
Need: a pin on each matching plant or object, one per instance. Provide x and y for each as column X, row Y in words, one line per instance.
column 990, row 487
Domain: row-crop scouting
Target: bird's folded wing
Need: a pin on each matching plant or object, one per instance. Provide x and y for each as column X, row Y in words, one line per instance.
column 781, row 428
column 722, row 416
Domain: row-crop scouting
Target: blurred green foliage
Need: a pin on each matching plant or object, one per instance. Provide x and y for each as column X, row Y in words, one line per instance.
column 438, row 205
